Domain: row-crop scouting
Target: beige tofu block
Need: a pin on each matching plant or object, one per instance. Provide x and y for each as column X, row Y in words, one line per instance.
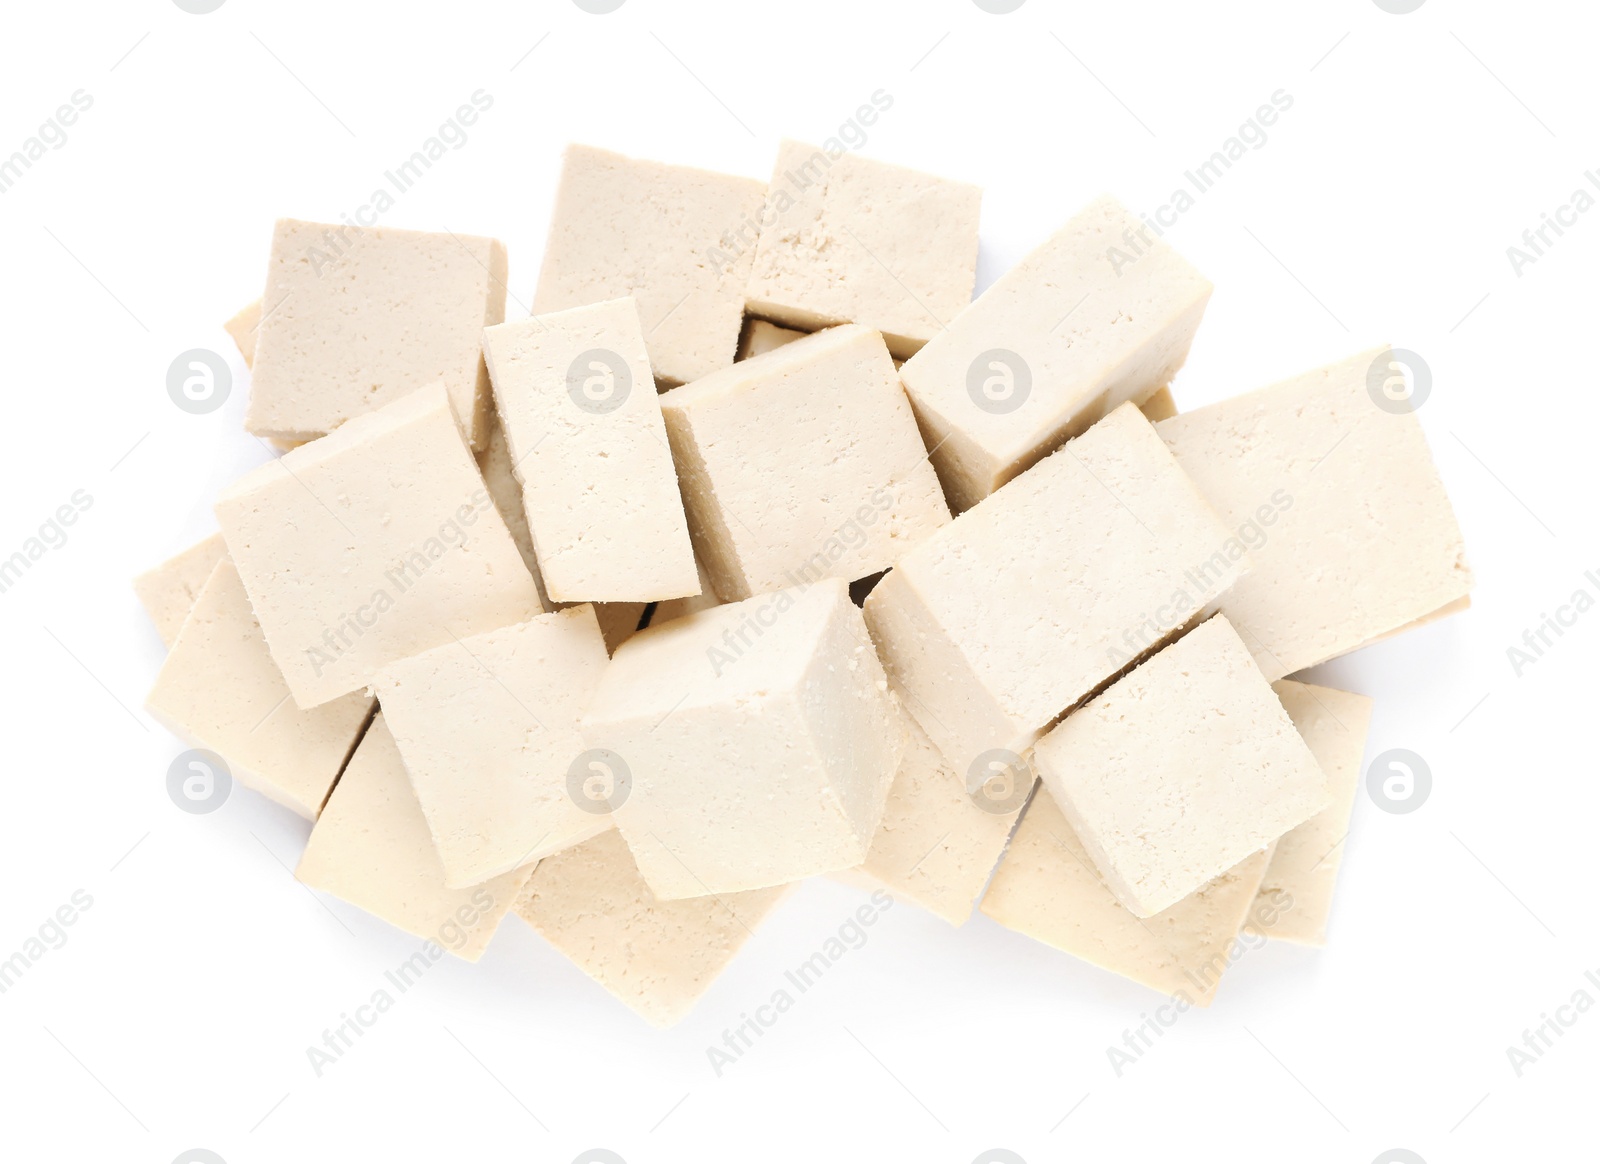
column 488, row 729
column 167, row 592
column 1047, row 888
column 219, row 689
column 1180, row 770
column 371, row 847
column 357, row 319
column 850, row 240
column 760, row 337
column 1001, row 621
column 760, row 739
column 1356, row 536
column 583, row 422
column 242, row 329
column 1160, row 407
column 657, row 957
column 802, row 464
column 662, row 234
column 683, row 607
column 373, row 544
column 1305, row 865
column 1101, row 314
column 938, row 843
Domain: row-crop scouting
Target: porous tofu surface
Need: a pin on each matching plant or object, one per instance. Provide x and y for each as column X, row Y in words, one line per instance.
column 1180, row 770
column 168, row 591
column 1357, row 536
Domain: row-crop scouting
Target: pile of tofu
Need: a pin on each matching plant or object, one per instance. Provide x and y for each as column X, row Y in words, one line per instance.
column 759, row 550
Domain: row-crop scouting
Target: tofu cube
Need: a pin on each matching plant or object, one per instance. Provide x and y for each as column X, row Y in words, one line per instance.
column 219, row 689
column 758, row 741
column 371, row 847
column 665, row 235
column 1002, row 620
column 802, row 464
column 850, row 240
column 1353, row 535
column 1180, row 770
column 355, row 319
column 1101, row 314
column 658, row 957
column 373, row 544
column 583, row 423
column 488, row 728
column 168, row 592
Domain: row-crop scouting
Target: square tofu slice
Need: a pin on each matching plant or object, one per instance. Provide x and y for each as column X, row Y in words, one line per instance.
column 665, row 235
column 168, row 591
column 851, row 240
column 658, row 957
column 242, row 329
column 1353, row 534
column 371, row 847
column 219, row 689
column 757, row 740
column 488, row 728
column 1004, row 619
column 802, row 464
column 371, row 545
column 1180, row 770
column 761, row 337
column 1305, row 865
column 1047, row 888
column 355, row 319
column 938, row 843
column 1100, row 314
column 583, row 423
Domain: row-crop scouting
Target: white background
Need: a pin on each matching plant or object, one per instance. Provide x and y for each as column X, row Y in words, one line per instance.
column 1419, row 147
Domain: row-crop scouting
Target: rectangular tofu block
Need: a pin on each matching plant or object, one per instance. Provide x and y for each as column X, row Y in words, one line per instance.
column 1180, row 770
column 1047, row 888
column 757, row 741
column 1305, row 866
column 220, row 690
column 1001, row 621
column 167, row 592
column 760, row 337
column 849, row 240
column 583, row 422
column 1351, row 532
column 488, row 729
column 657, row 957
column 371, row 545
column 358, row 318
column 242, row 330
column 1101, row 314
column 662, row 234
column 938, row 843
column 802, row 464
column 371, row 847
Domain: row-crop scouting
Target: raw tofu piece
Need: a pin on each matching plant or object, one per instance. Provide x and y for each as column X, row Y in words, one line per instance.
column 242, row 328
column 1101, row 314
column 219, row 689
column 1180, row 770
column 1356, row 535
column 1160, row 407
column 1047, row 888
column 760, row 737
column 802, row 464
column 583, row 422
column 1004, row 619
column 1305, row 865
column 361, row 318
column 168, row 591
column 488, row 728
column 761, row 337
column 371, row 847
column 658, row 957
column 371, row 545
column 683, row 607
column 662, row 234
column 938, row 844
column 851, row 240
